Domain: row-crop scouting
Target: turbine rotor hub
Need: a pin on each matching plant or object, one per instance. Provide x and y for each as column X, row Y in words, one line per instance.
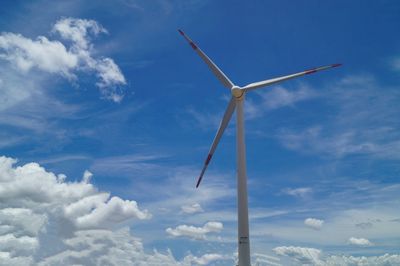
column 237, row 92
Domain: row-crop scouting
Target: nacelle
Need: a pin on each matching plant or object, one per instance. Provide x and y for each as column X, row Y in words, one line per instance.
column 237, row 92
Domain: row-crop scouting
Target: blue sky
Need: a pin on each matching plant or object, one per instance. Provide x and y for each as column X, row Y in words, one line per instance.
column 110, row 95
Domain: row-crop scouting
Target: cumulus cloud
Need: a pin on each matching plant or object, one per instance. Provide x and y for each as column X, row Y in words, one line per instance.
column 78, row 31
column 314, row 223
column 46, row 55
column 32, row 201
column 312, row 256
column 87, row 175
column 193, row 232
column 66, row 59
column 103, row 247
column 33, row 188
column 98, row 211
column 45, row 220
column 193, row 208
column 362, row 242
column 301, row 192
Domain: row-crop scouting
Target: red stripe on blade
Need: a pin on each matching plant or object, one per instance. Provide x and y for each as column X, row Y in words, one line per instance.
column 311, row 71
column 193, row 45
column 208, row 159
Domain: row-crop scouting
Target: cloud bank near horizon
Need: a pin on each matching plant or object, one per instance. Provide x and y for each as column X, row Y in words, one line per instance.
column 46, row 220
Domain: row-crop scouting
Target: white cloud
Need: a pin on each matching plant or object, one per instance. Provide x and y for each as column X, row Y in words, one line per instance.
column 104, row 213
column 262, row 259
column 109, row 73
column 180, row 186
column 279, row 96
column 103, row 247
column 45, row 220
column 78, row 31
column 276, row 97
column 7, row 259
column 359, row 242
column 15, row 88
column 193, row 208
column 304, row 256
column 301, row 192
column 340, row 134
column 205, row 120
column 87, row 175
column 128, row 164
column 313, row 139
column 55, row 57
column 32, row 199
column 206, row 259
column 46, row 55
column 384, row 260
column 342, row 222
column 21, row 221
column 314, row 223
column 18, row 245
column 311, row 256
column 198, row 233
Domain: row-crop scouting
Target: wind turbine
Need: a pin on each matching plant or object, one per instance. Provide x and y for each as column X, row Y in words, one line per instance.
column 236, row 102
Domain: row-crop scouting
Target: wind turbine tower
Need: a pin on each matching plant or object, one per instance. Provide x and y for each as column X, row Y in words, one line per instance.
column 237, row 102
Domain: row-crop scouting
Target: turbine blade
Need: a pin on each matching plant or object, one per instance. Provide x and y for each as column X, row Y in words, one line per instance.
column 214, row 68
column 256, row 85
column 224, row 123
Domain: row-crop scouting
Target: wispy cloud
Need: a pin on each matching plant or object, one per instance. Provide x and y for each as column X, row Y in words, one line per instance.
column 304, row 256
column 301, row 192
column 131, row 164
column 262, row 259
column 276, row 97
column 359, row 102
column 348, row 208
column 206, row 120
column 395, row 63
column 193, row 208
column 279, row 96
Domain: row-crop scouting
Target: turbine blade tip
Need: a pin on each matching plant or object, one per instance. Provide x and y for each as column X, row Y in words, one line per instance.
column 181, row 32
column 337, row 65
column 199, row 180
